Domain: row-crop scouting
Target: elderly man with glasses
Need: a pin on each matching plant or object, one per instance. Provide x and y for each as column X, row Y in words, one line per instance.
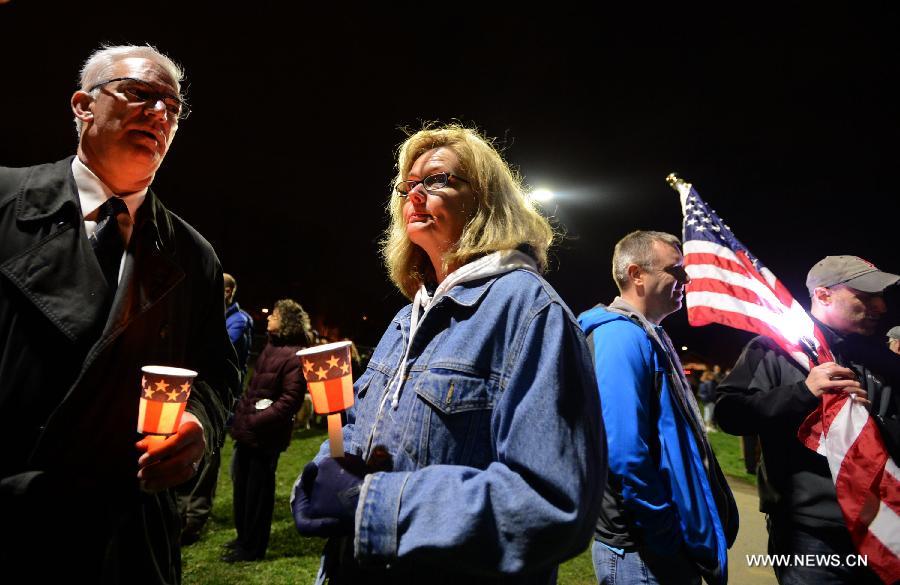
column 97, row 279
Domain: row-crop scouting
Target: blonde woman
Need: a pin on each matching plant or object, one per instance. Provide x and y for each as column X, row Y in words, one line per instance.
column 479, row 403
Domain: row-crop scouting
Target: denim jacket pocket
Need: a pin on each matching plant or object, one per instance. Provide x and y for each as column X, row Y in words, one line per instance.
column 455, row 419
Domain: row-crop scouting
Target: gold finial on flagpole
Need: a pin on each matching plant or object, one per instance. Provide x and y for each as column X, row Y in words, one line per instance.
column 674, row 180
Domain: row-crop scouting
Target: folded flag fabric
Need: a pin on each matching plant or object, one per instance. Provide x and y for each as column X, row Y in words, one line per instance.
column 731, row 287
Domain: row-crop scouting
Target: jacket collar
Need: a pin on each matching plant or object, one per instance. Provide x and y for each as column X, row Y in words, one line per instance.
column 50, row 188
column 832, row 337
column 155, row 224
column 468, row 294
column 485, row 270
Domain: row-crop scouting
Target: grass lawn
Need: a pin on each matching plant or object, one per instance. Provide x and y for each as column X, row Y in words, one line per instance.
column 292, row 558
column 731, row 456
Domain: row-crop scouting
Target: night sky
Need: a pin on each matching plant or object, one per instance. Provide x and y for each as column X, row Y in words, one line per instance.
column 786, row 121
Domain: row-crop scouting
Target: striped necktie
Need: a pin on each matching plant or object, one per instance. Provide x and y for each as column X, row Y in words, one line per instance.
column 107, row 239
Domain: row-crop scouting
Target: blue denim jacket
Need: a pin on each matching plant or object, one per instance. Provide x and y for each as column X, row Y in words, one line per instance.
column 499, row 454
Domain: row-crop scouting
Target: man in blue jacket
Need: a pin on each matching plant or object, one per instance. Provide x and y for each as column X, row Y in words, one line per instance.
column 668, row 516
column 239, row 324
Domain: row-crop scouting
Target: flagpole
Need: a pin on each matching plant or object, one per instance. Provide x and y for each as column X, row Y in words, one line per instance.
column 809, row 348
column 674, row 180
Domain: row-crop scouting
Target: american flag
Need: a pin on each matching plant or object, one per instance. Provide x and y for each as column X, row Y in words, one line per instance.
column 731, row 287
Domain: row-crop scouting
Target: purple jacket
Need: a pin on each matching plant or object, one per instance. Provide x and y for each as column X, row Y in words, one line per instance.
column 277, row 378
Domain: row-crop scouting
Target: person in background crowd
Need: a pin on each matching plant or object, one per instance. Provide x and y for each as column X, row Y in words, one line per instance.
column 893, row 336
column 707, row 395
column 195, row 497
column 262, row 427
column 668, row 514
column 239, row 324
column 767, row 393
column 475, row 448
column 98, row 280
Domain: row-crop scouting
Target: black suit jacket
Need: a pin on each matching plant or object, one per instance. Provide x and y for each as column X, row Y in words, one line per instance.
column 70, row 357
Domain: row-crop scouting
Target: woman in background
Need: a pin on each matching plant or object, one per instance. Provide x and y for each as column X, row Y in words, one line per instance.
column 262, row 426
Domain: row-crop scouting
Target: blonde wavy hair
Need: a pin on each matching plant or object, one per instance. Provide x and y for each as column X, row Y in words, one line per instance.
column 505, row 217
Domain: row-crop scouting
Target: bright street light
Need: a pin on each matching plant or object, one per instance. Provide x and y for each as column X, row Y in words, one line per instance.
column 542, row 195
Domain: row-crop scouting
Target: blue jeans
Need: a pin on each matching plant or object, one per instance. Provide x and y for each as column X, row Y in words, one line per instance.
column 641, row 568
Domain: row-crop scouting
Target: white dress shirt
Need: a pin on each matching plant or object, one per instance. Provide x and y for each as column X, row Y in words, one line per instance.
column 92, row 193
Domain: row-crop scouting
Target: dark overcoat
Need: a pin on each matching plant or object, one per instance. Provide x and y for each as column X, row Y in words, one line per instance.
column 71, row 351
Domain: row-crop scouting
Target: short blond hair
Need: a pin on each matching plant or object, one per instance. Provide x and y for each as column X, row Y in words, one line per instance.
column 505, row 217
column 637, row 248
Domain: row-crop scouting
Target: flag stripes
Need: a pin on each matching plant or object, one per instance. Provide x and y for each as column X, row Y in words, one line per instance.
column 157, row 417
column 731, row 287
column 332, row 395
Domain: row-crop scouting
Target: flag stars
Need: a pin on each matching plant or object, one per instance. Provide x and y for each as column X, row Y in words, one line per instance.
column 691, row 221
column 308, row 366
column 345, row 368
column 186, row 387
column 706, row 219
column 321, row 373
column 148, row 392
column 716, row 228
column 701, row 228
column 173, row 395
column 333, row 361
column 161, row 386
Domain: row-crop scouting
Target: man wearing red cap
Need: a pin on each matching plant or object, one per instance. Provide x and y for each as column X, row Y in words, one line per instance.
column 767, row 393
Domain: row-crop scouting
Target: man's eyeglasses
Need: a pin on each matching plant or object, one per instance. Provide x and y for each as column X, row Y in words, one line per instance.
column 431, row 182
column 140, row 92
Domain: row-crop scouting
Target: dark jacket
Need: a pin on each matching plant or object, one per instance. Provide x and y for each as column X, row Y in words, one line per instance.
column 276, row 378
column 766, row 394
column 70, row 378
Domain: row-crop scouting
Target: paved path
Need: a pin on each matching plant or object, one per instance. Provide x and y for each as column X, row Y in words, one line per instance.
column 751, row 539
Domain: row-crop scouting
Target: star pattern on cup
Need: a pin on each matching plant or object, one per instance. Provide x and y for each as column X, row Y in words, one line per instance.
column 160, row 389
column 325, row 366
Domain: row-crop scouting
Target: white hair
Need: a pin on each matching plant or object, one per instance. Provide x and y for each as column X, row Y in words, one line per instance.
column 98, row 66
